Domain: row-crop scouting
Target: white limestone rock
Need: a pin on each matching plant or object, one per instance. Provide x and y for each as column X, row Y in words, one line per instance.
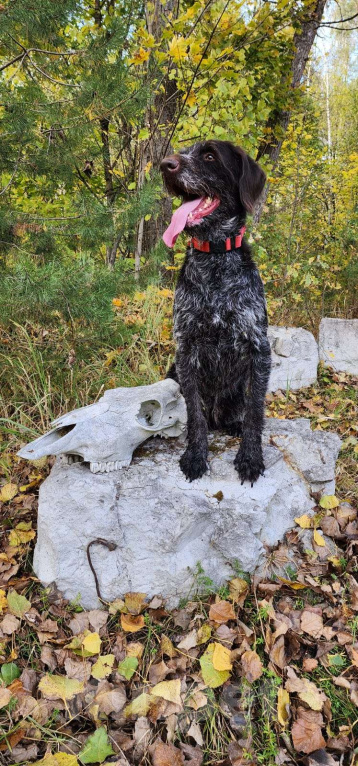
column 163, row 526
column 338, row 344
column 294, row 358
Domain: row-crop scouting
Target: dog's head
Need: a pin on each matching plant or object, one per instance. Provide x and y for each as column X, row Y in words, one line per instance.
column 223, row 175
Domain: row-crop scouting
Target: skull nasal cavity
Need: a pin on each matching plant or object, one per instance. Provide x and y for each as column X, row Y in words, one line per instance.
column 170, row 163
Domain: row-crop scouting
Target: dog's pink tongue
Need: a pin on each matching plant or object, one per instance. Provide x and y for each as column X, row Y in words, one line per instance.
column 179, row 219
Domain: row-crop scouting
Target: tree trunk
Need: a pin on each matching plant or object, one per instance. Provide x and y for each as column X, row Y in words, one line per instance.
column 279, row 120
column 159, row 119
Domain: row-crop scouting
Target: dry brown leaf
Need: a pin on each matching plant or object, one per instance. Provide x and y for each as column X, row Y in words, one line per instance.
column 311, row 623
column 307, row 731
column 9, row 624
column 132, row 623
column 278, row 654
column 194, row 731
column 165, row 755
column 189, row 641
column 158, row 672
column 97, row 619
column 141, row 737
column 307, row 691
column 167, row 647
column 251, row 665
column 309, row 664
column 135, row 602
column 238, row 589
column 5, row 696
column 79, row 670
column 197, row 700
column 110, row 699
column 221, row 612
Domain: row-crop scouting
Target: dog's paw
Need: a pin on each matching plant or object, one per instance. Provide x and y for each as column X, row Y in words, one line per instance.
column 250, row 466
column 234, row 429
column 193, row 464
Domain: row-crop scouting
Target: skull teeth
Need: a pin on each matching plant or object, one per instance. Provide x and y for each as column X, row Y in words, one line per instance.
column 112, row 465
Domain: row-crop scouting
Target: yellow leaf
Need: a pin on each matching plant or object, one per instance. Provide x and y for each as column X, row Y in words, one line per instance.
column 116, row 606
column 91, row 644
column 21, row 534
column 3, row 600
column 283, row 700
column 168, row 690
column 221, row 657
column 60, row 687
column 139, row 57
column 319, row 540
column 293, row 585
column 328, row 502
column 139, row 706
column 132, row 623
column 204, row 633
column 117, row 302
column 177, row 48
column 238, row 587
column 135, row 602
column 58, row 759
column 103, row 666
column 7, row 492
column 305, row 522
column 211, row 676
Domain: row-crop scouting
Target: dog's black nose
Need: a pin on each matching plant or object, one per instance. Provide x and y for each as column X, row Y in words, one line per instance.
column 170, row 163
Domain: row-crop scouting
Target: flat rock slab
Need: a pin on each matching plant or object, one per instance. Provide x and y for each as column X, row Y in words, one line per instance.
column 294, row 358
column 163, row 526
column 338, row 344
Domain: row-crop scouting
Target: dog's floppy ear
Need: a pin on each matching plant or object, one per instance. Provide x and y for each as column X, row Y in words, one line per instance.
column 252, row 180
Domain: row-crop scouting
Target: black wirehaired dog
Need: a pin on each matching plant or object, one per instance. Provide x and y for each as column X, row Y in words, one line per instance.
column 223, row 355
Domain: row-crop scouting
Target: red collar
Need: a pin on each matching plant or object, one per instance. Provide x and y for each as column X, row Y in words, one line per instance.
column 231, row 243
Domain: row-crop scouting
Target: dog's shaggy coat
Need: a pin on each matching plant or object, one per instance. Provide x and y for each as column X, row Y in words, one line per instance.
column 220, row 322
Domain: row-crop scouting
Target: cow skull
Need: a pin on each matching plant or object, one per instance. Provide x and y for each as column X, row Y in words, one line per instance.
column 106, row 433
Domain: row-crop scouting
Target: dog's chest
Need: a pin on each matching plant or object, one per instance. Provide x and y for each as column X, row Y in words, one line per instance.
column 218, row 304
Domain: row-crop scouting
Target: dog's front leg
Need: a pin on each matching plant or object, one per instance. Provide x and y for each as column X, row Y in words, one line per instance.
column 193, row 462
column 249, row 460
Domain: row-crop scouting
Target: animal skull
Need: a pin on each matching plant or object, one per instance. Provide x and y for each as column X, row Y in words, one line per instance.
column 106, row 433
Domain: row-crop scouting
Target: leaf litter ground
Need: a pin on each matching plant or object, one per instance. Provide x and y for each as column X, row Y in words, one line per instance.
column 258, row 672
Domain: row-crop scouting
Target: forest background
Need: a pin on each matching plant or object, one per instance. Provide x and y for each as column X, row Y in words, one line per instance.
column 93, row 95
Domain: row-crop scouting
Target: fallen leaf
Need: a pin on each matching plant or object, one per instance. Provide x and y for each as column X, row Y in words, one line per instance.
column 194, row 731
column 307, row 691
column 9, row 672
column 251, row 665
column 328, row 502
column 128, row 667
column 5, row 696
column 110, row 699
column 9, row 624
column 238, row 589
column 189, row 641
column 309, row 664
column 283, row 701
column 132, row 623
column 21, row 534
column 96, row 748
column 212, row 677
column 221, row 658
column 204, row 633
column 221, row 612
column 319, row 540
column 74, row 669
column 196, row 700
column 3, row 600
column 168, row 690
column 167, row 647
column 278, row 653
column 305, row 522
column 165, row 754
column 135, row 649
column 158, row 672
column 103, row 666
column 60, row 687
column 135, row 602
column 307, row 731
column 7, row 492
column 139, row 706
column 311, row 623
column 91, row 645
column 17, row 604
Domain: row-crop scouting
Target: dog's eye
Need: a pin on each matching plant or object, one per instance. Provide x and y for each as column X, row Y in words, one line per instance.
column 209, row 157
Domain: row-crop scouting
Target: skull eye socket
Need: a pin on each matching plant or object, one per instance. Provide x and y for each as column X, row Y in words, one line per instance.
column 149, row 415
